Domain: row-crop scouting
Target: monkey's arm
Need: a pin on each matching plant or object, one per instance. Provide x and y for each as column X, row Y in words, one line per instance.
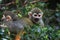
column 41, row 23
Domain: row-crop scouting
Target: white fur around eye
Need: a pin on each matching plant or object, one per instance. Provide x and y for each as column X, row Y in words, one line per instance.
column 34, row 13
column 40, row 15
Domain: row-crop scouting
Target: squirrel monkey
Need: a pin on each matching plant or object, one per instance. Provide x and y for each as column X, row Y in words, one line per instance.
column 17, row 25
column 14, row 24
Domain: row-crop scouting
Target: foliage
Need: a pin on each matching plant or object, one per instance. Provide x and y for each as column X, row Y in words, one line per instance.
column 38, row 33
column 34, row 33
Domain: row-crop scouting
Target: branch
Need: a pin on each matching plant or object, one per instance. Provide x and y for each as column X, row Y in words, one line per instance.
column 10, row 3
column 7, row 4
column 34, row 2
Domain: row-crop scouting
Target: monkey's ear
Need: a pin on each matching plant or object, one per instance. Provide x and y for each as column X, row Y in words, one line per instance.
column 3, row 17
column 30, row 13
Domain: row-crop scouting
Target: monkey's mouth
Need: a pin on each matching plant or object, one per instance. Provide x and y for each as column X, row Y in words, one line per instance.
column 36, row 19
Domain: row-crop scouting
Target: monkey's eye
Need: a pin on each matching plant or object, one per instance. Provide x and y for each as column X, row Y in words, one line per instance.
column 39, row 15
column 35, row 15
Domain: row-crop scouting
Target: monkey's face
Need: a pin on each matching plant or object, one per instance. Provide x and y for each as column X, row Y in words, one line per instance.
column 36, row 17
column 6, row 18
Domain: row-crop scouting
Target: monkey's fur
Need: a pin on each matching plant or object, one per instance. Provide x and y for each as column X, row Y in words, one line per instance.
column 17, row 25
column 14, row 24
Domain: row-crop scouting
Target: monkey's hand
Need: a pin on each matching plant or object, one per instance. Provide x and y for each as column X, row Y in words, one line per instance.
column 41, row 23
